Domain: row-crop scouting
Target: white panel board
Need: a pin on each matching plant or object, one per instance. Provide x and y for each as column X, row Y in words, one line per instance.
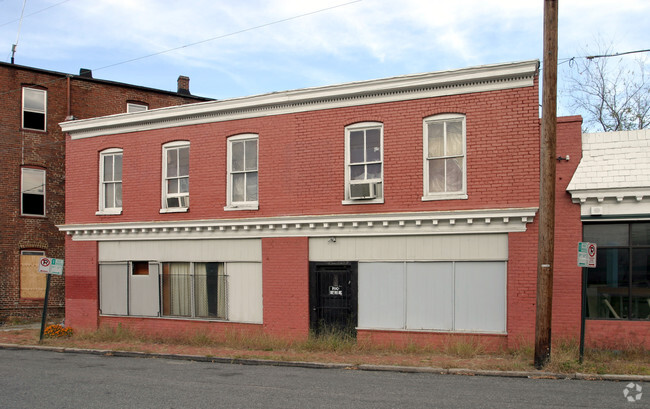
column 113, row 282
column 480, row 298
column 429, row 301
column 182, row 250
column 245, row 292
column 381, row 295
column 144, row 292
column 465, row 247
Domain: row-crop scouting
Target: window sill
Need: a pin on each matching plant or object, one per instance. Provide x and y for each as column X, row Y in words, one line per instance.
column 242, row 206
column 34, row 216
column 108, row 212
column 441, row 331
column 33, row 130
column 362, row 201
column 453, row 196
column 175, row 210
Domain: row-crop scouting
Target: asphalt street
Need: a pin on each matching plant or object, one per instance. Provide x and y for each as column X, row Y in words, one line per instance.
column 32, row 379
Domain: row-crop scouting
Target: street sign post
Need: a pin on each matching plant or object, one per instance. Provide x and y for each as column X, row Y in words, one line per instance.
column 48, row 266
column 586, row 259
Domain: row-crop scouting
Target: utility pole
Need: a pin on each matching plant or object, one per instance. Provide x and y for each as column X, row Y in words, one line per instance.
column 545, row 245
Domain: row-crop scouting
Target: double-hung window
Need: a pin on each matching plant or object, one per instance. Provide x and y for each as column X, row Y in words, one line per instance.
column 34, row 109
column 364, row 157
column 32, row 198
column 444, row 157
column 110, row 185
column 242, row 172
column 176, row 177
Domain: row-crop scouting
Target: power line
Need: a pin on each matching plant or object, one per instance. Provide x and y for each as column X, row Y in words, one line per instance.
column 591, row 57
column 229, row 34
column 36, row 12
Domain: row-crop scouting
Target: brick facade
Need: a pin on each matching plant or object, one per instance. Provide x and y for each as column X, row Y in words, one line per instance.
column 67, row 95
column 301, row 188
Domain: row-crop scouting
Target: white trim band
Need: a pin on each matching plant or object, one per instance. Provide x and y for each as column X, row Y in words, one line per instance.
column 386, row 224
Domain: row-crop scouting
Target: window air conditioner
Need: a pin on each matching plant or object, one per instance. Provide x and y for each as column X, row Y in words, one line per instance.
column 363, row 190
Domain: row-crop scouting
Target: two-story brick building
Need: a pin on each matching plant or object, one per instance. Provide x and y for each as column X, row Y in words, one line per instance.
column 403, row 207
column 33, row 103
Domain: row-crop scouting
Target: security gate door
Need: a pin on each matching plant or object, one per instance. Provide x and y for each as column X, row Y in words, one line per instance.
column 333, row 296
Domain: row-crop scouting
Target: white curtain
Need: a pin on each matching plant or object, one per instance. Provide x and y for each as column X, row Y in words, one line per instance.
column 180, row 289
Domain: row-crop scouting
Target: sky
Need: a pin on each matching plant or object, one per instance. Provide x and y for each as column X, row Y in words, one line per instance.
column 237, row 48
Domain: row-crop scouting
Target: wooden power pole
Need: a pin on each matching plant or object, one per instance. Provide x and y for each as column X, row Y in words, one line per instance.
column 545, row 244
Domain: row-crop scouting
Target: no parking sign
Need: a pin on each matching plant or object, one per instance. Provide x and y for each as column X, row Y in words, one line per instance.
column 587, row 254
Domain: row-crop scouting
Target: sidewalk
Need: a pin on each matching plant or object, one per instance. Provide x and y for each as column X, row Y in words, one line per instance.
column 25, row 336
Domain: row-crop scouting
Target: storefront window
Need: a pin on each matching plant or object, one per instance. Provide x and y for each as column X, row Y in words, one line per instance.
column 619, row 286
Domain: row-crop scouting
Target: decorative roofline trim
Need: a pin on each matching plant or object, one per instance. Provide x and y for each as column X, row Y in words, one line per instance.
column 388, row 224
column 408, row 87
column 600, row 195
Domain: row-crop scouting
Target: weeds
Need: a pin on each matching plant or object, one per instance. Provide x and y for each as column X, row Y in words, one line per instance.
column 332, row 345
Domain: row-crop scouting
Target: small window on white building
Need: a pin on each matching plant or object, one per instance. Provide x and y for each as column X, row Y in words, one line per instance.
column 444, row 157
column 110, row 184
column 242, row 181
column 34, row 109
column 176, row 177
column 364, row 157
column 32, row 198
column 136, row 107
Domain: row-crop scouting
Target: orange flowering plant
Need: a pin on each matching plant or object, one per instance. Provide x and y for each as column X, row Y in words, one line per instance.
column 57, row 331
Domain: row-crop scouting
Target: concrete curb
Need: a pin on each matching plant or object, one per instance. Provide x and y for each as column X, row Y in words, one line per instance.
column 318, row 365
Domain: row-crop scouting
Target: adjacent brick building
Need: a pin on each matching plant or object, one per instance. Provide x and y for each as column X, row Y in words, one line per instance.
column 404, row 208
column 33, row 103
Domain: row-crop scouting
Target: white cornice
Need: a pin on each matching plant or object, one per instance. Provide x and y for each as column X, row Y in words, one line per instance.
column 387, row 224
column 619, row 194
column 452, row 82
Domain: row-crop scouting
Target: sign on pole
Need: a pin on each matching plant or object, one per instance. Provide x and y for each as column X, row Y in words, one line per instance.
column 48, row 265
column 587, row 254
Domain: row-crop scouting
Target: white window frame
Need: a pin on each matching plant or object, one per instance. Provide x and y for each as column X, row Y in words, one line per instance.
column 364, row 126
column 246, row 204
column 136, row 107
column 103, row 209
column 37, row 111
column 22, row 191
column 166, row 209
column 461, row 194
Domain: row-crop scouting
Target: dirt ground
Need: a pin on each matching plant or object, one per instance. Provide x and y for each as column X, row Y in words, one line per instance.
column 564, row 360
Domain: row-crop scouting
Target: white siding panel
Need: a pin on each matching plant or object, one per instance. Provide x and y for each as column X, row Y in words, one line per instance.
column 459, row 247
column 480, row 302
column 144, row 293
column 429, row 302
column 381, row 295
column 245, row 292
column 182, row 250
column 113, row 282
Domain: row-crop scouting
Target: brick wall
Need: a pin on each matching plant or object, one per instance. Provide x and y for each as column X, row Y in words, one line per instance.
column 301, row 161
column 285, row 285
column 81, row 284
column 46, row 150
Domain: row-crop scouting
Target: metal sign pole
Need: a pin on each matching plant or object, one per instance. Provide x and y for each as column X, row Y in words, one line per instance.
column 47, row 295
column 583, row 314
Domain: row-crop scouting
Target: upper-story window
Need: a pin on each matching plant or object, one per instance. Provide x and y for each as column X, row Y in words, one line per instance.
column 176, row 177
column 136, row 107
column 34, row 109
column 32, row 198
column 242, row 172
column 364, row 157
column 444, row 157
column 110, row 183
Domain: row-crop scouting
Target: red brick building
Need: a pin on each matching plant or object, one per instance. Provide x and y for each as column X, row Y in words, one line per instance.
column 404, row 208
column 33, row 103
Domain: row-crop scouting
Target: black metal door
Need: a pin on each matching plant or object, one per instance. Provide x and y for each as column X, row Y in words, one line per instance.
column 333, row 296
